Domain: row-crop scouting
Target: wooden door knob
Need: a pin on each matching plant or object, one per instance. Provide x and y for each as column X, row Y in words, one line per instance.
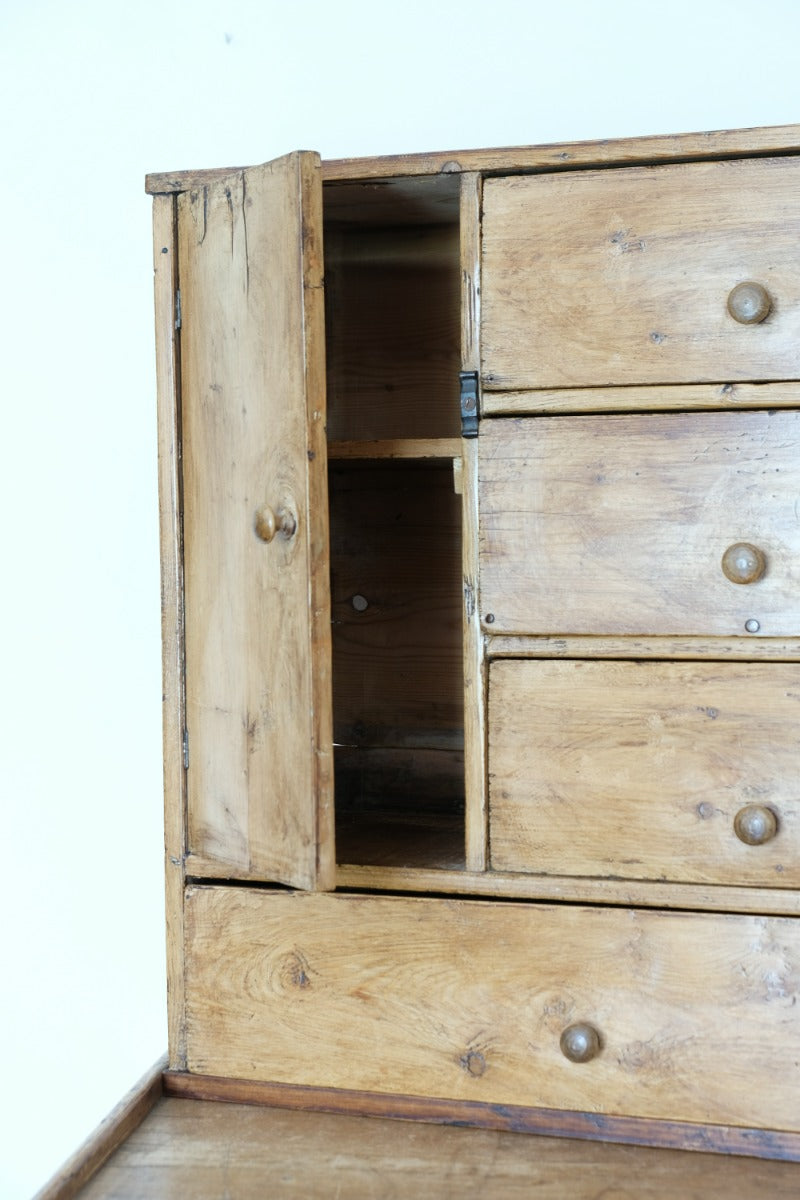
column 749, row 303
column 755, row 824
column 744, row 563
column 580, row 1043
column 269, row 523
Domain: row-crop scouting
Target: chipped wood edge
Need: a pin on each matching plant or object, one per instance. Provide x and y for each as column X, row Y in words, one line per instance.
column 637, row 1131
column 112, row 1131
column 165, row 261
column 683, row 147
column 477, row 816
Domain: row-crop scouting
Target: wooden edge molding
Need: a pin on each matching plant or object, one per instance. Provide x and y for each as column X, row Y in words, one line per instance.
column 112, row 1131
column 634, row 1131
column 776, row 139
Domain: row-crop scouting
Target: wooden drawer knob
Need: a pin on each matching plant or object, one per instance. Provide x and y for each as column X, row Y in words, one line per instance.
column 269, row 523
column 749, row 303
column 744, row 563
column 755, row 824
column 580, row 1043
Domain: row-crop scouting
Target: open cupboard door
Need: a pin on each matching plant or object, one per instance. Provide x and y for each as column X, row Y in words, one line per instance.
column 255, row 519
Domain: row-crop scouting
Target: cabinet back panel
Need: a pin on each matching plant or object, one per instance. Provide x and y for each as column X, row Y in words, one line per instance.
column 393, row 331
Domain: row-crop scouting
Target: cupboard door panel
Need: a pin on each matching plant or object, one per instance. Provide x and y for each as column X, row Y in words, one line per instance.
column 593, row 278
column 619, row 525
column 646, row 770
column 258, row 692
column 696, row 1013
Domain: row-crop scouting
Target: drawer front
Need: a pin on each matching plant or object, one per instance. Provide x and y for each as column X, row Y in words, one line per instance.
column 618, row 277
column 696, row 1015
column 664, row 771
column 619, row 525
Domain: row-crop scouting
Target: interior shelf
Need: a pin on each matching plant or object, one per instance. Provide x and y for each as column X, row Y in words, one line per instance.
column 396, row 448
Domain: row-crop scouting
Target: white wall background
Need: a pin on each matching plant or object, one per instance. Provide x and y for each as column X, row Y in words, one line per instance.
column 92, row 95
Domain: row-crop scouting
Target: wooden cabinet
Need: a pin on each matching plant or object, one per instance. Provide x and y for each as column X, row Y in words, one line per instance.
column 479, row 481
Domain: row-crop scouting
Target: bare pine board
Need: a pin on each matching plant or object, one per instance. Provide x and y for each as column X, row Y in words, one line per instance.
column 623, row 277
column 637, row 770
column 468, row 1001
column 257, row 613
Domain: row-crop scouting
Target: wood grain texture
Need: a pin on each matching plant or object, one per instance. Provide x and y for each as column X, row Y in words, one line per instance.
column 257, row 615
column 622, row 277
column 112, row 1132
column 618, row 524
column 697, row 648
column 392, row 314
column 165, row 272
column 684, row 397
column 396, row 604
column 723, row 143
column 395, row 448
column 637, row 770
column 197, row 1150
column 467, row 1000
column 779, row 902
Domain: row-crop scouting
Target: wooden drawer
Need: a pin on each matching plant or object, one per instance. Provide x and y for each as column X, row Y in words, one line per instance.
column 696, row 1014
column 621, row 277
column 646, row 770
column 619, row 525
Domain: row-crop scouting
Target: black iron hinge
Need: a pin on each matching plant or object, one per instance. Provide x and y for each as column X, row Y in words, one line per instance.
column 469, row 403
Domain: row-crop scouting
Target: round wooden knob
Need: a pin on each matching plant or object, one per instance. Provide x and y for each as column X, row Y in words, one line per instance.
column 755, row 824
column 749, row 303
column 744, row 563
column 580, row 1043
column 269, row 523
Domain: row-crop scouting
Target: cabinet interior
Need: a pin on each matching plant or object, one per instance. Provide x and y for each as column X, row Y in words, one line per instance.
column 392, row 293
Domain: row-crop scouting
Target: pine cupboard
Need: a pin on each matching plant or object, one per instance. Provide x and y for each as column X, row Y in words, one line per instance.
column 481, row 562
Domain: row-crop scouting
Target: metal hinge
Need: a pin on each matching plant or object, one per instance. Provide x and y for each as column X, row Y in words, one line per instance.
column 178, row 315
column 469, row 403
column 186, row 749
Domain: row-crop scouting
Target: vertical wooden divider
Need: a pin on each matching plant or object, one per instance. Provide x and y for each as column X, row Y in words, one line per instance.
column 474, row 667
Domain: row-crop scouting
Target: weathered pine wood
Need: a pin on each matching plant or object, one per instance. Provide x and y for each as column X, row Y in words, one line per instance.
column 779, row 902
column 617, row 525
column 718, row 648
column 638, row 770
column 684, row 397
column 395, row 448
column 622, row 277
column 257, row 613
column 396, row 604
column 165, row 267
column 333, row 991
column 392, row 314
column 473, row 640
column 724, row 143
column 110, row 1134
column 196, row 1150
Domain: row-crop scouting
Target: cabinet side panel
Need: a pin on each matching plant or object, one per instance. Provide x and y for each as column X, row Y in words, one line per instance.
column 165, row 266
column 255, row 523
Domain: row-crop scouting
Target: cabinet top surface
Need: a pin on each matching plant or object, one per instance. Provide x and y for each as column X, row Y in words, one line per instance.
column 778, row 139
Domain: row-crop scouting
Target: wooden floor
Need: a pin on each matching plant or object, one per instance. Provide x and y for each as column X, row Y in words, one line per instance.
column 204, row 1150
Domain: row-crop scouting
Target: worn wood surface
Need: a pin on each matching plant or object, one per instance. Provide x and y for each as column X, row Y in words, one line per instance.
column 637, row 770
column 395, row 448
column 622, row 277
column 618, row 524
column 392, row 315
column 396, row 604
column 683, row 397
column 257, row 614
column 112, row 1133
column 165, row 274
column 723, row 143
column 696, row 1012
column 719, row 648
column 202, row 1150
